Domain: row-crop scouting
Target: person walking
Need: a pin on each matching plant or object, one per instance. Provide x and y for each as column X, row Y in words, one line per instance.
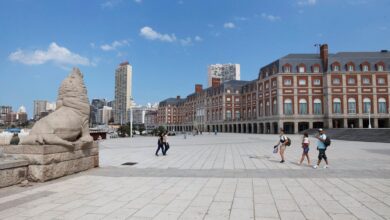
column 321, row 147
column 165, row 143
column 282, row 144
column 160, row 144
column 305, row 147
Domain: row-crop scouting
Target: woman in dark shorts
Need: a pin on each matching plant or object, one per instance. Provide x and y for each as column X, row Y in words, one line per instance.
column 305, row 147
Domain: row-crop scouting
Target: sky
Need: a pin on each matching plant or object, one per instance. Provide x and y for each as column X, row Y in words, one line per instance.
column 169, row 43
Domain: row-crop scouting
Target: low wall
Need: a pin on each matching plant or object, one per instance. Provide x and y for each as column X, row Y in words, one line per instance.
column 12, row 171
column 47, row 162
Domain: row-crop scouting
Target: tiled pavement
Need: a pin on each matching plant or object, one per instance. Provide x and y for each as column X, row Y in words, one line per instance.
column 228, row 176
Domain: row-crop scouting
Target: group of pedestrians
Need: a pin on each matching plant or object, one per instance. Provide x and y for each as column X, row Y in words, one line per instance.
column 322, row 143
column 162, row 143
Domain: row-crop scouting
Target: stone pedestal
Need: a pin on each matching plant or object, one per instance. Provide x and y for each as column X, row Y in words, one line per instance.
column 12, row 171
column 48, row 162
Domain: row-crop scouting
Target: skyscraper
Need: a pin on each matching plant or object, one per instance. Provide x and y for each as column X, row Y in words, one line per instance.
column 225, row 72
column 39, row 107
column 123, row 96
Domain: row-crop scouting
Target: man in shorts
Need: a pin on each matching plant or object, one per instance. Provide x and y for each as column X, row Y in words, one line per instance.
column 321, row 148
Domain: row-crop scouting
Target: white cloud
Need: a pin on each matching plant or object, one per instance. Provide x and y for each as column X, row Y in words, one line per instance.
column 229, row 25
column 199, row 39
column 114, row 45
column 150, row 34
column 269, row 17
column 186, row 41
column 54, row 53
column 307, row 2
column 110, row 3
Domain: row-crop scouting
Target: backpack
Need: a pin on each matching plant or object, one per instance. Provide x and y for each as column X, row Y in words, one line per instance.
column 327, row 141
column 288, row 143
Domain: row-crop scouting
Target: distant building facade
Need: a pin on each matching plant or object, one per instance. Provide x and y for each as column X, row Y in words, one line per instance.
column 123, row 95
column 39, row 107
column 225, row 72
column 296, row 92
column 104, row 115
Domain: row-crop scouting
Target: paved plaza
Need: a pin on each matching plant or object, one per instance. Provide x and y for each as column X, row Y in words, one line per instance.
column 224, row 176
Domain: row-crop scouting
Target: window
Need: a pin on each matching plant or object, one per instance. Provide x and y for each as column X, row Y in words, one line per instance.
column 267, row 108
column 287, row 82
column 228, row 114
column 228, row 91
column 266, row 85
column 366, row 80
column 336, row 81
column 301, row 69
column 302, row 107
column 380, row 68
column 302, row 82
column 274, row 83
column 365, row 68
column 382, row 107
column 317, row 107
column 351, row 106
column 228, row 99
column 287, row 69
column 316, row 69
column 288, row 107
column 336, row 68
column 336, row 106
column 237, row 100
column 317, row 82
column 274, row 109
column 237, row 114
column 350, row 68
column 381, row 81
column 366, row 105
column 351, row 81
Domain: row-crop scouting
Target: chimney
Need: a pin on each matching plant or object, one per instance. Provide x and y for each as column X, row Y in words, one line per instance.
column 324, row 56
column 178, row 97
column 198, row 88
column 215, row 82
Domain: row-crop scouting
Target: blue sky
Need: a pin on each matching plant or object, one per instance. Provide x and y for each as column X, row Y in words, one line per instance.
column 169, row 43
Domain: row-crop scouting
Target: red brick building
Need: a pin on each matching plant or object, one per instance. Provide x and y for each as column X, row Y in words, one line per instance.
column 295, row 92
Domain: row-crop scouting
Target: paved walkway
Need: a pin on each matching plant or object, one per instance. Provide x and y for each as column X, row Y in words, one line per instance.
column 228, row 176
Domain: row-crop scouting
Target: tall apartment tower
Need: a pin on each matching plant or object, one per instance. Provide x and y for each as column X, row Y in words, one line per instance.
column 39, row 107
column 225, row 72
column 123, row 86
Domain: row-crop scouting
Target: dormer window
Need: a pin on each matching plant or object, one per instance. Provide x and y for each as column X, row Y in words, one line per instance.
column 316, row 69
column 287, row 69
column 380, row 68
column 365, row 68
column 350, row 68
column 336, row 68
column 301, row 69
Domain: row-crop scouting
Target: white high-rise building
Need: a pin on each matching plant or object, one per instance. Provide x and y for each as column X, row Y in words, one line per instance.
column 104, row 115
column 123, row 96
column 225, row 72
column 39, row 107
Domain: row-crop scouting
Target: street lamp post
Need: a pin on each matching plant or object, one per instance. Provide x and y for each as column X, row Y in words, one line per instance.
column 131, row 117
column 369, row 117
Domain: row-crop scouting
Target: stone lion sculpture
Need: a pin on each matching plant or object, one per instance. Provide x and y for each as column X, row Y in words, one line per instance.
column 68, row 125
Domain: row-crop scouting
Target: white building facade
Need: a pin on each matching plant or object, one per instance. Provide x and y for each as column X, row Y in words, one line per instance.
column 225, row 72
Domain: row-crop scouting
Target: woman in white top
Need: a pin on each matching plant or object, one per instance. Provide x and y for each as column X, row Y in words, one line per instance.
column 282, row 142
column 305, row 147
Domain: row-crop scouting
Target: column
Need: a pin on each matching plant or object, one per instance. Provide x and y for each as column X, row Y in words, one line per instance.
column 345, row 123
column 360, row 122
column 295, row 127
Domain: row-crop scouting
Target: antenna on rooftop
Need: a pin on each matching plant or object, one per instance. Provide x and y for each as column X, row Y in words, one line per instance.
column 317, row 46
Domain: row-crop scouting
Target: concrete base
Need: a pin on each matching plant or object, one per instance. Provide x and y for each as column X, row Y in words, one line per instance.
column 12, row 172
column 48, row 162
